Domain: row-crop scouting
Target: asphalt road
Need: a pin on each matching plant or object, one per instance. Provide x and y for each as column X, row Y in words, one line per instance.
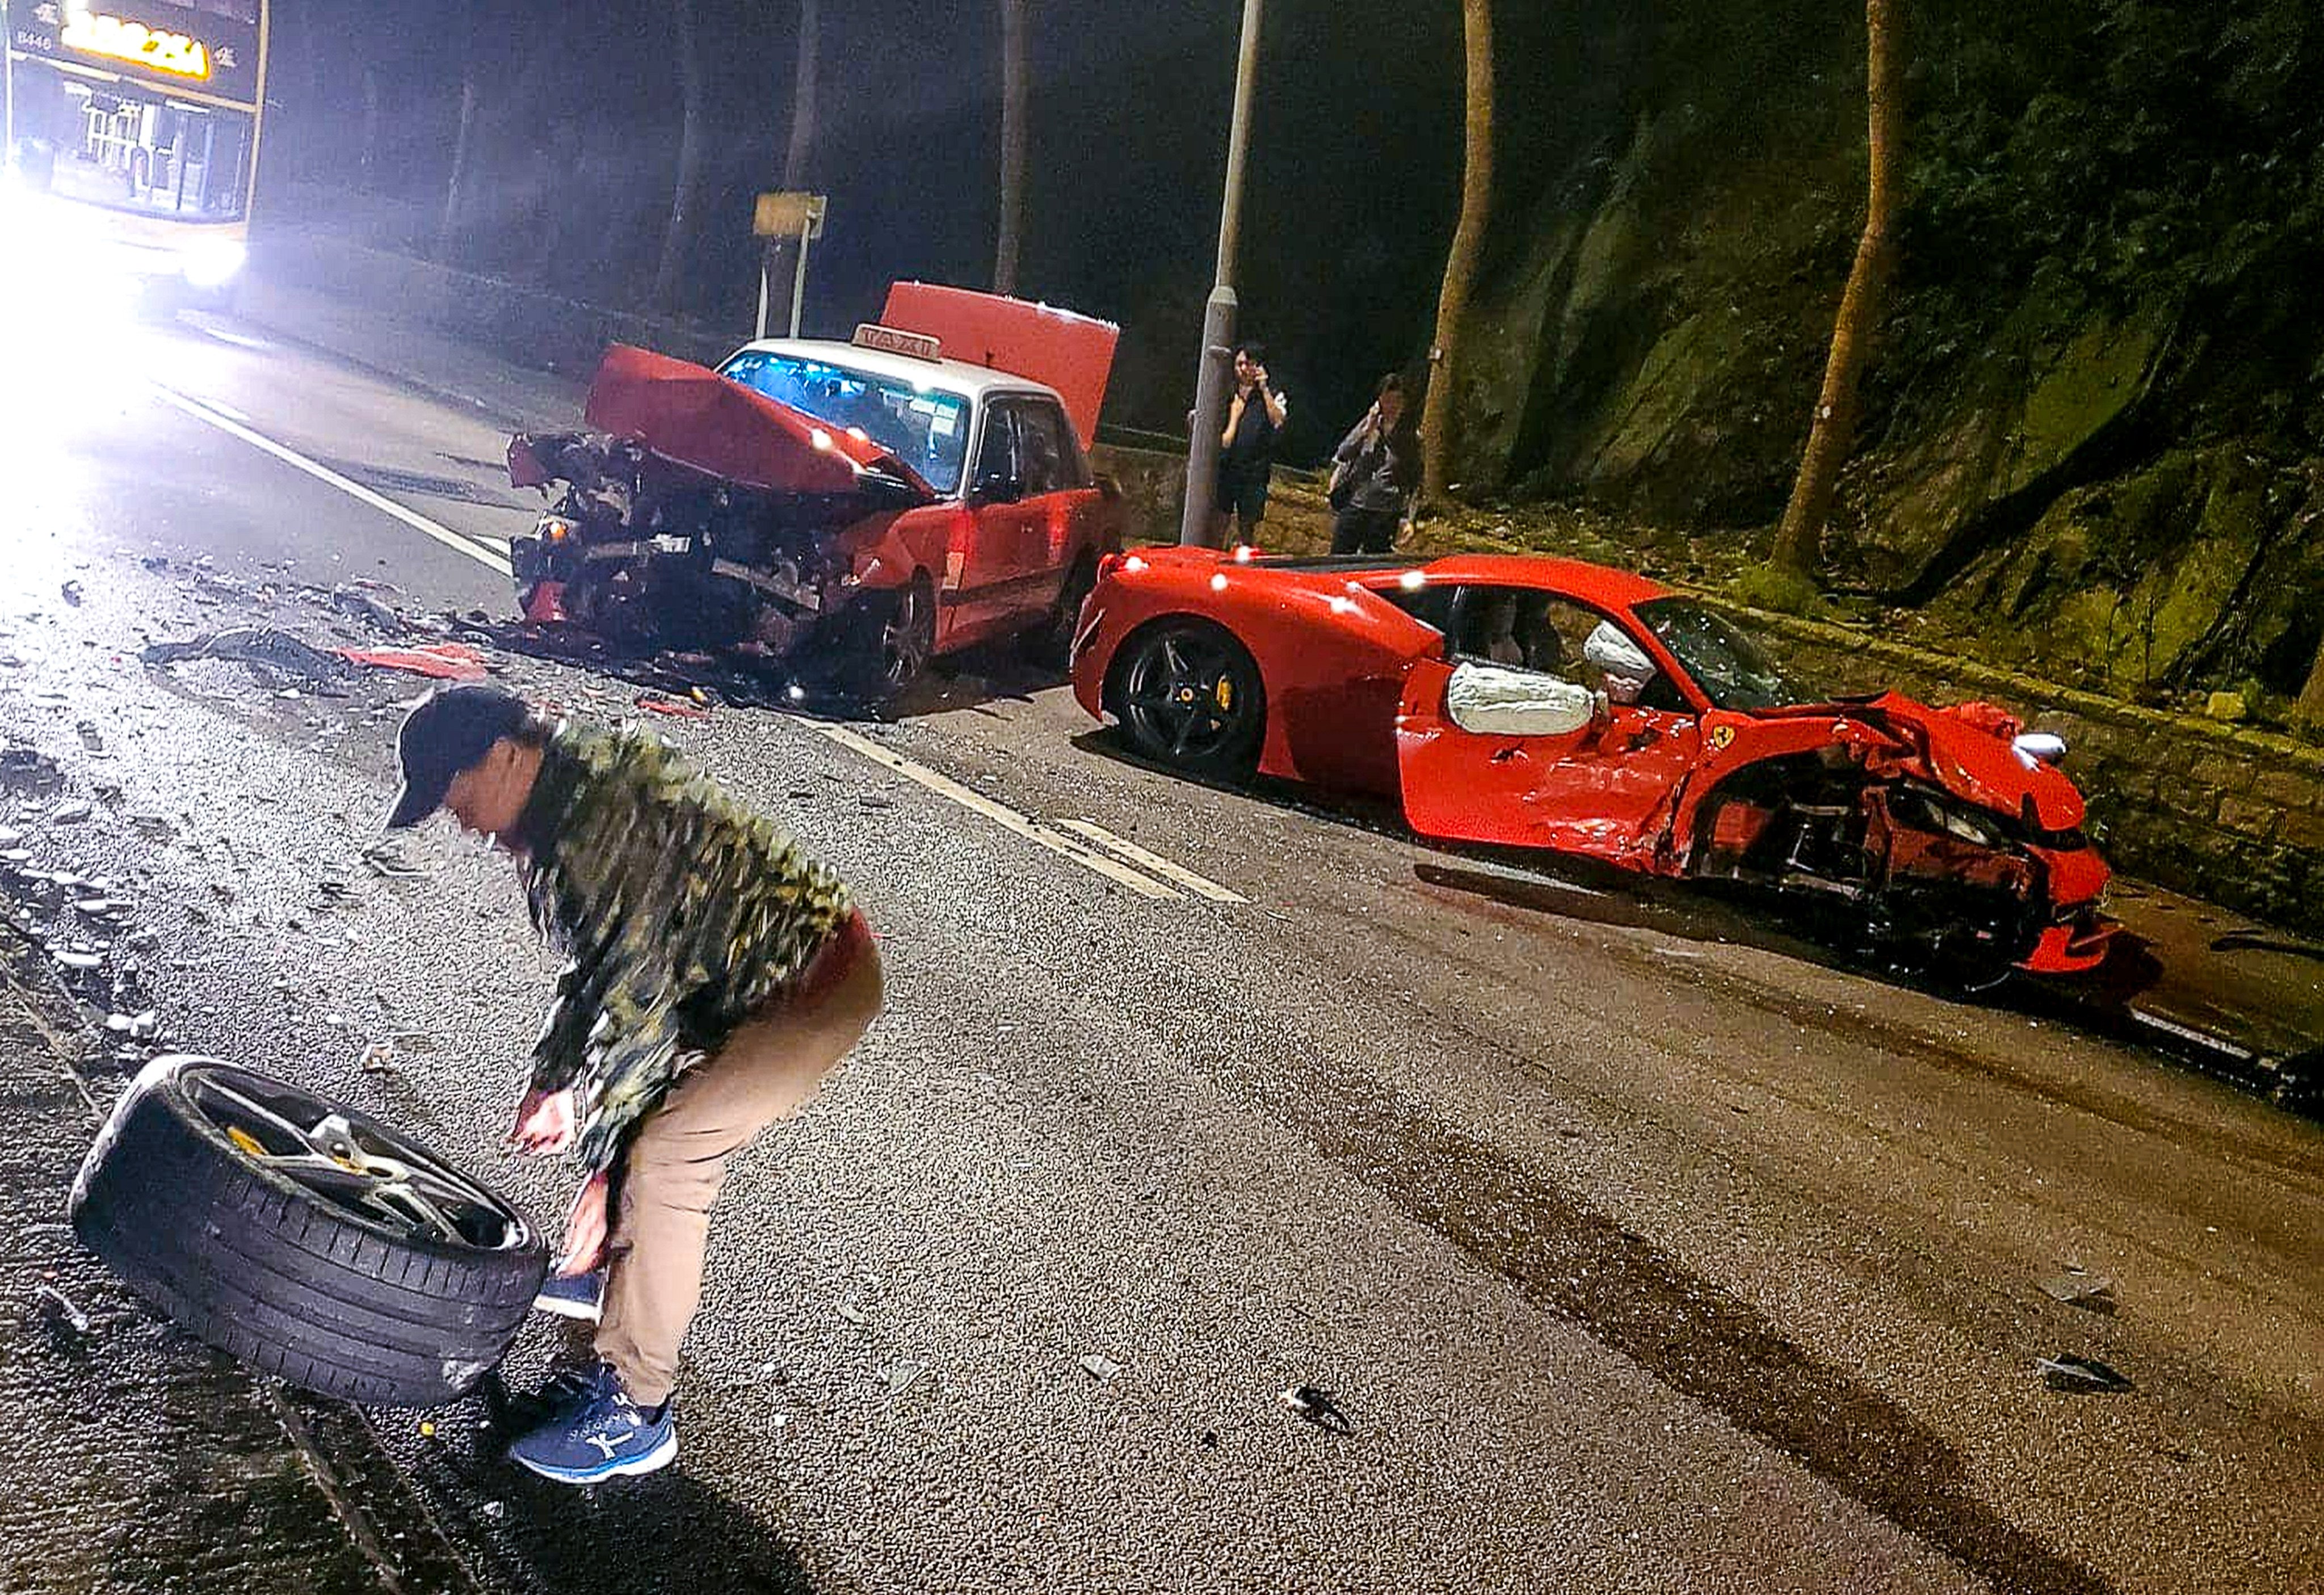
column 1642, row 1249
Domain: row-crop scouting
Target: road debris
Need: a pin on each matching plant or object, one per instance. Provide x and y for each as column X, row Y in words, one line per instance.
column 363, row 606
column 386, row 859
column 265, row 648
column 853, row 1314
column 71, row 593
column 1101, row 1368
column 60, row 1306
column 900, row 1376
column 1319, row 1408
column 654, row 703
column 70, row 814
column 438, row 661
column 2076, row 1288
column 378, row 1059
column 2080, row 1375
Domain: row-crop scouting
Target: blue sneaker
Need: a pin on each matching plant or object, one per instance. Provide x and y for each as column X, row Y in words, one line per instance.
column 606, row 1435
column 572, row 1296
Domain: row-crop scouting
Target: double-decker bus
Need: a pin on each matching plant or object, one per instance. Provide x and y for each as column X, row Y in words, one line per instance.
column 132, row 137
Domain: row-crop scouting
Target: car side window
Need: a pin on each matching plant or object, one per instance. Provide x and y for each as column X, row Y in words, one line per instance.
column 1512, row 626
column 1048, row 453
column 996, row 456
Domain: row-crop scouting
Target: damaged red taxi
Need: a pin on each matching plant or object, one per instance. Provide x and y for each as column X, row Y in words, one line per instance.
column 845, row 512
column 1541, row 703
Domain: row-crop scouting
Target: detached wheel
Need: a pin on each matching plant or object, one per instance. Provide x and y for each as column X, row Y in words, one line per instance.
column 886, row 643
column 1189, row 696
column 304, row 1238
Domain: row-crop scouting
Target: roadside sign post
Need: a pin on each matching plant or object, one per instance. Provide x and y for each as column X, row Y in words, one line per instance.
column 793, row 219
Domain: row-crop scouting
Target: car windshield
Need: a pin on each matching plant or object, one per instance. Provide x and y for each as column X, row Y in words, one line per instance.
column 1732, row 667
column 926, row 430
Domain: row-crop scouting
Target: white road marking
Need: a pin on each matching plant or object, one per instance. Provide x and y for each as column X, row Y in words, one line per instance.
column 1152, row 863
column 1008, row 819
column 240, row 340
column 210, row 416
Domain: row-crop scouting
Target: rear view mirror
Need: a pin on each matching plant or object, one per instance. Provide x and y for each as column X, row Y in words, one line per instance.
column 1492, row 700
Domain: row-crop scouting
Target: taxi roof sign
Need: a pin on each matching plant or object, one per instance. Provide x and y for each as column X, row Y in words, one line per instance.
column 895, row 340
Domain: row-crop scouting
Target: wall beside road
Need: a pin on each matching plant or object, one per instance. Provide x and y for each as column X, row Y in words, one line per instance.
column 2221, row 812
column 2218, row 811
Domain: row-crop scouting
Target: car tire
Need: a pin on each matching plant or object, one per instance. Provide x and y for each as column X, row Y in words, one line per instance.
column 230, row 1201
column 885, row 642
column 1051, row 646
column 1189, row 696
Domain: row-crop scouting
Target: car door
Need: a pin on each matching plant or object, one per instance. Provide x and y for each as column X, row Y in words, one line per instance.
column 1018, row 519
column 1606, row 786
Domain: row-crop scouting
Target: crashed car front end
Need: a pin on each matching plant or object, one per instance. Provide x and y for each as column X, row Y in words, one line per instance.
column 1940, row 828
column 695, row 515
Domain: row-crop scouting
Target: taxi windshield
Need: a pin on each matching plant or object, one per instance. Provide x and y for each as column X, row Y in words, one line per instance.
column 926, row 430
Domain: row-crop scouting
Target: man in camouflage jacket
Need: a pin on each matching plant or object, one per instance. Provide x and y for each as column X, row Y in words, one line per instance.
column 717, row 975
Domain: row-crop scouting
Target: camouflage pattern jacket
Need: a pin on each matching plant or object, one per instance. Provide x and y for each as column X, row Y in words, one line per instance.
column 681, row 911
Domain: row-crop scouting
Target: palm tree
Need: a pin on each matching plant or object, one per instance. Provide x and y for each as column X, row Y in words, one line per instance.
column 1468, row 244
column 1013, row 92
column 693, row 145
column 1799, row 543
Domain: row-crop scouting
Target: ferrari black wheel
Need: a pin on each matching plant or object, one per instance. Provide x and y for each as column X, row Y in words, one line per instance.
column 1189, row 696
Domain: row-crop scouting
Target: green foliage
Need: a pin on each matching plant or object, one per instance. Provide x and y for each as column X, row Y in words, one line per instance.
column 1786, row 592
column 2163, row 146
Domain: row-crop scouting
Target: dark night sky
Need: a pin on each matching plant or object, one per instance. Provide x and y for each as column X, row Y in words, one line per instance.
column 1353, row 194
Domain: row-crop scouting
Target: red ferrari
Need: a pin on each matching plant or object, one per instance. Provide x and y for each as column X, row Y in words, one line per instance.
column 1546, row 702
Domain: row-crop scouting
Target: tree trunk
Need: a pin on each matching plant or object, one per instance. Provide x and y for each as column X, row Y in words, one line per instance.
column 2311, row 710
column 1468, row 244
column 1013, row 94
column 781, row 262
column 692, row 143
column 368, row 158
column 1799, row 543
column 455, row 194
column 803, row 87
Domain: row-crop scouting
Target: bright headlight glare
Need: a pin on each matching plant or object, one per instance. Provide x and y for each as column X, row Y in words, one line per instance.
column 213, row 264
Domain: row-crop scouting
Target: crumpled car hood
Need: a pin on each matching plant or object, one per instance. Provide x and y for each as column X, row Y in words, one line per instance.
column 1972, row 753
column 691, row 415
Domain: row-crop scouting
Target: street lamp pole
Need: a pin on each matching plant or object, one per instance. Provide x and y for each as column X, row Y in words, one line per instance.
column 1219, row 314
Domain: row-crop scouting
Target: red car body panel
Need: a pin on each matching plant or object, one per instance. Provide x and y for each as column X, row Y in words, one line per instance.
column 1355, row 693
column 692, row 415
column 1057, row 348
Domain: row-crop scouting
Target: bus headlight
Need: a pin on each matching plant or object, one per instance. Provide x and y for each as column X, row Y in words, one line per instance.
column 212, row 263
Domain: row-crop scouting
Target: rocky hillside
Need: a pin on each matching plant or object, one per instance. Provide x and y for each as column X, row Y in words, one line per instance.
column 2095, row 430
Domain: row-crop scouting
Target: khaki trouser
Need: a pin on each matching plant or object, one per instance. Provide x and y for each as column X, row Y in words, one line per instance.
column 677, row 1162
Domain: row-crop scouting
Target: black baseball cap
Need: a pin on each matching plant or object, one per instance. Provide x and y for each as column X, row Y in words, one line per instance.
column 451, row 730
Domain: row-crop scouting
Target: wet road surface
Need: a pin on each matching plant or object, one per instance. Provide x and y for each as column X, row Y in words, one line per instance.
column 1642, row 1249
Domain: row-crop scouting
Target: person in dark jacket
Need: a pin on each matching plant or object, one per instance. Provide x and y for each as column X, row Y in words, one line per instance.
column 718, row 975
column 1373, row 473
column 1254, row 421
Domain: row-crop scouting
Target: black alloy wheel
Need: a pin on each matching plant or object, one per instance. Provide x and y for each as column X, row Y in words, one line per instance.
column 884, row 643
column 304, row 1237
column 1190, row 696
